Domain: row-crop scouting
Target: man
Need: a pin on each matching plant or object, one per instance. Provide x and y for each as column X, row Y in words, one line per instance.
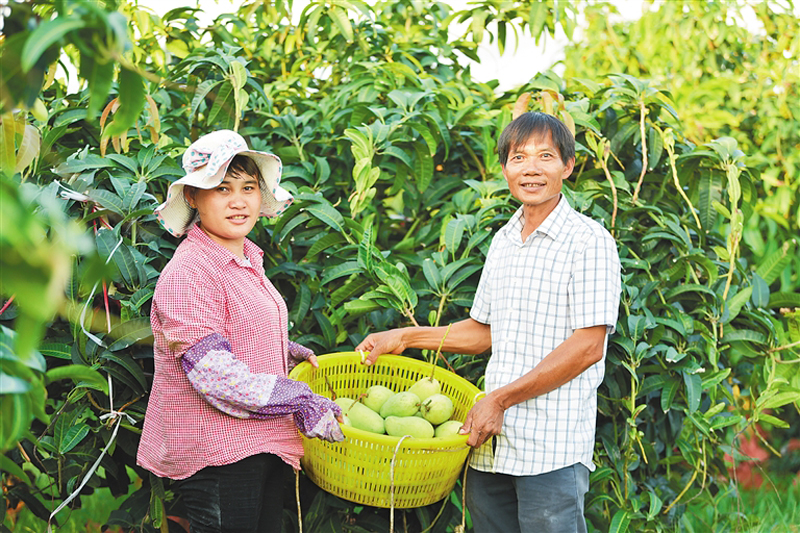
column 547, row 299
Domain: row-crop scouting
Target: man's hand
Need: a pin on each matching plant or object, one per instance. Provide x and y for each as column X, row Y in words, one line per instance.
column 390, row 341
column 483, row 421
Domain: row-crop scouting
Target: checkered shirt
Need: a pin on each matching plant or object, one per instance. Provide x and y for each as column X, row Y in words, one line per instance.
column 534, row 295
column 206, row 289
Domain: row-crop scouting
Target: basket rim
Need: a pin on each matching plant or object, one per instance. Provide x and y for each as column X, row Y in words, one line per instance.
column 434, row 443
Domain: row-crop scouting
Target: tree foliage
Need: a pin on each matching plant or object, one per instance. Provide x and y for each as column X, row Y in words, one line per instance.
column 388, row 146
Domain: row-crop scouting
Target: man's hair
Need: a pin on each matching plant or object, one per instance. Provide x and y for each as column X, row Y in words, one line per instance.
column 241, row 164
column 536, row 124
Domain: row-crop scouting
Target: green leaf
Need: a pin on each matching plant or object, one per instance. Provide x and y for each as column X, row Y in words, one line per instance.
column 130, row 332
column 106, row 199
column 784, row 299
column 73, row 436
column 360, row 307
column 79, row 373
column 327, row 214
column 222, row 100
column 238, row 75
column 325, row 242
column 15, row 418
column 126, row 263
column 130, row 365
column 462, row 275
column 781, row 399
column 453, row 234
column 773, row 420
column 710, row 192
column 682, row 290
column 200, row 95
column 636, row 326
column 131, row 103
column 432, row 275
column 423, row 167
column 694, row 391
column 668, row 394
column 735, row 304
column 56, row 349
column 44, row 36
column 620, row 522
column 345, row 269
column 365, row 260
column 394, row 151
column 339, row 18
column 9, row 466
column 12, row 385
column 771, row 266
column 426, row 135
column 743, row 335
column 99, row 76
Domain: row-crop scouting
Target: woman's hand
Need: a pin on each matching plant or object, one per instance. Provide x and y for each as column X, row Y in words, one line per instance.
column 297, row 353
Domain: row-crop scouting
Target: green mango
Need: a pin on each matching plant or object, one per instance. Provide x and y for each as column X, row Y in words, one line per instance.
column 398, row 426
column 401, row 404
column 361, row 416
column 376, row 396
column 426, row 387
column 437, row 409
column 448, row 429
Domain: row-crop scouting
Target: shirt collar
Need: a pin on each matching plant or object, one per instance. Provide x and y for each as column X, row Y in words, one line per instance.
column 550, row 226
column 219, row 253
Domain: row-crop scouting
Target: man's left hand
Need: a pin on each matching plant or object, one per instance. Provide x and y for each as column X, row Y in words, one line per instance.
column 483, row 421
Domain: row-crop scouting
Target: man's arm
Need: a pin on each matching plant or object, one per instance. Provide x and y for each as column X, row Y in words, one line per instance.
column 467, row 336
column 570, row 358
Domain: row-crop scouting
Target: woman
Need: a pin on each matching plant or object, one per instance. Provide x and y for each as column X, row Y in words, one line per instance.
column 222, row 417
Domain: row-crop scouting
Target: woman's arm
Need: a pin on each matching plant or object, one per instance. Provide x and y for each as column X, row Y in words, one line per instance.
column 227, row 384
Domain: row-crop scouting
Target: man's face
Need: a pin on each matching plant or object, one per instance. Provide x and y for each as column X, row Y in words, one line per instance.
column 534, row 171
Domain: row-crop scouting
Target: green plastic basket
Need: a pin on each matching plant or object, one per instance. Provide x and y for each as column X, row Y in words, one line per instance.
column 360, row 469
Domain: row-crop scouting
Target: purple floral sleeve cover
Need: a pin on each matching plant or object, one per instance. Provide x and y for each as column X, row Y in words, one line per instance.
column 296, row 353
column 227, row 384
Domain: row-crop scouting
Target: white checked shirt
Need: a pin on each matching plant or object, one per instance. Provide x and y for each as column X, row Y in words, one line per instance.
column 534, row 295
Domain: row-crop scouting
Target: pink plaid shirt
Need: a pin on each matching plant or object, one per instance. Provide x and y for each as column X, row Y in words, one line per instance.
column 205, row 289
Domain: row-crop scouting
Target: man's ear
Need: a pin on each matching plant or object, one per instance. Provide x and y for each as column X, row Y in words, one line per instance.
column 570, row 166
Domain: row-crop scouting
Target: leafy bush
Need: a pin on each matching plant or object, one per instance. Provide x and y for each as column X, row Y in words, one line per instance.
column 389, row 148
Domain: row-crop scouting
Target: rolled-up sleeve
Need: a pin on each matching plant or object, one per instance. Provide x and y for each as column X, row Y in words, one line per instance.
column 594, row 288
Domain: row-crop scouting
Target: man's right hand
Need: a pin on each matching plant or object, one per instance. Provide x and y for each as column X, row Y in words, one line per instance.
column 390, row 341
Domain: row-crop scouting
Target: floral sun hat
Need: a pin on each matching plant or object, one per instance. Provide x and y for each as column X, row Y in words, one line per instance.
column 205, row 163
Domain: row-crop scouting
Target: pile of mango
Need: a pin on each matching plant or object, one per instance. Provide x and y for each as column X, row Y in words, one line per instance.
column 422, row 411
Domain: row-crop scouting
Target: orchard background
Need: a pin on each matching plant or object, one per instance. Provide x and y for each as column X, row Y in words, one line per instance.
column 688, row 134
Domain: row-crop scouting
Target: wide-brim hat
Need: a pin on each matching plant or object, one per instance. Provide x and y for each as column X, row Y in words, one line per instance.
column 205, row 163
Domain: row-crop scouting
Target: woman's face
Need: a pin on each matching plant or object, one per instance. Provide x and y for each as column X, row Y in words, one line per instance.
column 229, row 211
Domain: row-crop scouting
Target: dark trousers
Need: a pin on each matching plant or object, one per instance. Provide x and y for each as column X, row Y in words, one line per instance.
column 243, row 497
column 544, row 503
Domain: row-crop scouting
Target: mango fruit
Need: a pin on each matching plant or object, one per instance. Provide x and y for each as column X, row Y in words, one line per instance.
column 419, row 428
column 426, row 387
column 376, row 396
column 437, row 408
column 401, row 404
column 361, row 416
column 447, row 429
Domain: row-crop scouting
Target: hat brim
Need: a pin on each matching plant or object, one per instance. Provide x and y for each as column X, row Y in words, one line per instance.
column 175, row 214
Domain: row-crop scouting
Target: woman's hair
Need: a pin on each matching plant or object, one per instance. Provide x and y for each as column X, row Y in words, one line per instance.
column 241, row 164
